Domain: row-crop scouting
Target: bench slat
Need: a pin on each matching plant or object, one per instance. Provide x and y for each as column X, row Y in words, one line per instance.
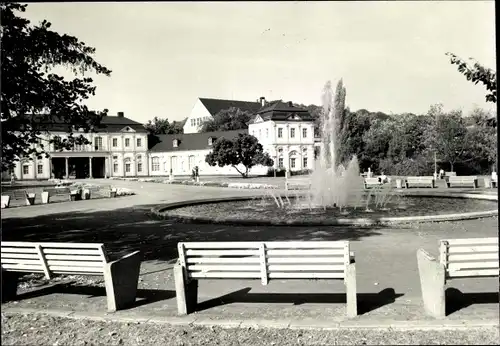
column 221, row 252
column 303, row 252
column 270, row 245
column 472, row 273
column 304, row 267
column 472, row 265
column 214, row 267
column 222, row 260
column 52, row 245
column 471, row 241
column 9, row 255
column 472, row 249
column 23, row 266
column 228, row 275
column 70, row 251
column 70, row 269
column 274, row 260
column 21, row 261
column 76, row 263
column 306, row 275
column 30, row 250
column 96, row 258
column 473, row 257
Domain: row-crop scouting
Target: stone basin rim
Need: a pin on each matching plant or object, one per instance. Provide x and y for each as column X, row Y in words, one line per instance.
column 159, row 210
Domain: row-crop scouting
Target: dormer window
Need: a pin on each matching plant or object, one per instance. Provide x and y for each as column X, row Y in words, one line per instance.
column 176, row 143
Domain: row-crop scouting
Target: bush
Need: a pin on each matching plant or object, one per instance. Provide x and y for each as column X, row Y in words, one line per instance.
column 407, row 167
column 301, row 172
column 280, row 172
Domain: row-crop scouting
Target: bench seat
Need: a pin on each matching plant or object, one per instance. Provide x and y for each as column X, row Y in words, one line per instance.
column 297, row 184
column 454, row 181
column 428, row 181
column 264, row 261
column 120, row 276
column 458, row 258
column 16, row 195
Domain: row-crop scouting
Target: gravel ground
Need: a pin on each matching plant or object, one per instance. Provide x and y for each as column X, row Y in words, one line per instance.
column 39, row 330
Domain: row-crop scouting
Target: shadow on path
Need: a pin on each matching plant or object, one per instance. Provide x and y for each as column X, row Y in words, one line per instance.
column 127, row 229
column 457, row 300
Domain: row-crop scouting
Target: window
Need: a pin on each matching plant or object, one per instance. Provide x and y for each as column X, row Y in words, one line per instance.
column 115, row 167
column 304, row 133
column 127, row 167
column 115, row 142
column 280, row 132
column 210, row 141
column 155, row 166
column 292, row 162
column 40, row 169
column 280, row 162
column 26, row 169
column 304, row 162
column 198, row 122
column 193, row 122
column 115, row 157
column 292, row 133
column 139, row 142
column 280, row 150
column 127, row 142
column 267, row 133
column 98, row 143
column 191, row 162
column 175, row 143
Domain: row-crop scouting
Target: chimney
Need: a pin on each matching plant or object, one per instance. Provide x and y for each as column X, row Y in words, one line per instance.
column 262, row 101
column 290, row 104
column 120, row 114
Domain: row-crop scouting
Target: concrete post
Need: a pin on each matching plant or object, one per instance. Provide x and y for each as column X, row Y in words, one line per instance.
column 90, row 167
column 67, row 167
column 350, row 283
column 51, row 175
column 186, row 293
column 432, row 281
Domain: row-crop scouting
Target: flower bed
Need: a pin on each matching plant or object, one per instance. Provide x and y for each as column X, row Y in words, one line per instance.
column 201, row 183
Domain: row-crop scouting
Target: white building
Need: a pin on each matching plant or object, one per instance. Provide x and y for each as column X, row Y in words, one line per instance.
column 285, row 132
column 119, row 148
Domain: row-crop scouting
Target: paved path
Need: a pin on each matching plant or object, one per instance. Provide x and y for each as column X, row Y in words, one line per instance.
column 386, row 258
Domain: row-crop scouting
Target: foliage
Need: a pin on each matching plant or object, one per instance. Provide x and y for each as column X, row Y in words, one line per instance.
column 159, row 126
column 447, row 135
column 227, row 120
column 32, row 94
column 477, row 73
column 243, row 149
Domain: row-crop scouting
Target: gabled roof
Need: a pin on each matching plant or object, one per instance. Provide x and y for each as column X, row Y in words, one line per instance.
column 214, row 106
column 108, row 124
column 189, row 141
column 279, row 110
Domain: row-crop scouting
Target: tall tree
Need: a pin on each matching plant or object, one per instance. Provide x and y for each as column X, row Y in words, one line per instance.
column 159, row 126
column 475, row 72
column 33, row 94
column 447, row 135
column 244, row 149
column 227, row 120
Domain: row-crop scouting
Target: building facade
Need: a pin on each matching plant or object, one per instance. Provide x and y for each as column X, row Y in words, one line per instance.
column 118, row 149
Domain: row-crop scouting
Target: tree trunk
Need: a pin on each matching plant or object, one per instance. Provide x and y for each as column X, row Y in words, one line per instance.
column 451, row 166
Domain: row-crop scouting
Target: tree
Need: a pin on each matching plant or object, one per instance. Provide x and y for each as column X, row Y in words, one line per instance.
column 227, row 120
column 447, row 135
column 243, row 149
column 159, row 126
column 33, row 96
column 477, row 73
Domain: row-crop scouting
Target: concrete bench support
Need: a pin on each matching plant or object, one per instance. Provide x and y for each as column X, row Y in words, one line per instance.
column 186, row 291
column 432, row 281
column 351, row 291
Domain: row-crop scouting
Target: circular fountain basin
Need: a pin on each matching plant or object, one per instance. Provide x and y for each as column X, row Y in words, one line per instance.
column 412, row 207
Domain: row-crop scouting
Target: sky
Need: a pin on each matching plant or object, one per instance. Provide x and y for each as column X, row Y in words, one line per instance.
column 390, row 55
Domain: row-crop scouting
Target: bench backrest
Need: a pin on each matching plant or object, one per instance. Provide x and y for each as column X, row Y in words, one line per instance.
column 15, row 194
column 58, row 191
column 370, row 181
column 53, row 258
column 265, row 260
column 462, row 178
column 469, row 257
column 420, row 178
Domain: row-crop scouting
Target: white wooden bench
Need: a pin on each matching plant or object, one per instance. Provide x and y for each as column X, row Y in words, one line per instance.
column 462, row 181
column 420, row 181
column 15, row 195
column 297, row 184
column 120, row 276
column 458, row 258
column 372, row 182
column 264, row 261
